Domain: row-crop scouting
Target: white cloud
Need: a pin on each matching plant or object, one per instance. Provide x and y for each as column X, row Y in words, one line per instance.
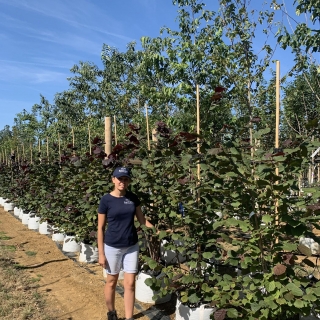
column 10, row 71
column 81, row 14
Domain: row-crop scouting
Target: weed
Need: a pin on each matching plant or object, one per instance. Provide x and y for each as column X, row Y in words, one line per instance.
column 3, row 236
column 10, row 248
column 30, row 253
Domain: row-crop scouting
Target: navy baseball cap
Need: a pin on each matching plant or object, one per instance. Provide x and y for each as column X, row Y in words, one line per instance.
column 121, row 172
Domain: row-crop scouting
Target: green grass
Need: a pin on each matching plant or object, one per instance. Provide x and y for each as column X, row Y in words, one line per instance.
column 9, row 248
column 30, row 253
column 3, row 236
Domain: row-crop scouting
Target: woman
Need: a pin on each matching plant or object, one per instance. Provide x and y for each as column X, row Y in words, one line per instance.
column 118, row 246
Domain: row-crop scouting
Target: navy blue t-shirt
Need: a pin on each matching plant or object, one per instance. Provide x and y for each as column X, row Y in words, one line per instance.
column 120, row 213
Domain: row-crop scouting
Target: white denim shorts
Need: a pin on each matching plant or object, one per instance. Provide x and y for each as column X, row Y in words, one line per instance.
column 121, row 258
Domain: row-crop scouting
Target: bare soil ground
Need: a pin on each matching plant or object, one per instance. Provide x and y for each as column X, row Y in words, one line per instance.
column 73, row 291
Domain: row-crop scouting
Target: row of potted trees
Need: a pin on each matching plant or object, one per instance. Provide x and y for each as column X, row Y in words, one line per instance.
column 229, row 223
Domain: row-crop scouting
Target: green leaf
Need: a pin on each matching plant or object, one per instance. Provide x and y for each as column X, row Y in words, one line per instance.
column 255, row 307
column 205, row 288
column 289, row 246
column 261, row 132
column 162, row 234
column 271, row 286
column 281, row 301
column 193, row 298
column 310, row 297
column 175, row 236
column 294, row 289
column 152, row 264
column 234, row 150
column 232, row 313
column 267, row 218
column 207, row 255
column 305, row 250
column 236, row 204
column 299, row 303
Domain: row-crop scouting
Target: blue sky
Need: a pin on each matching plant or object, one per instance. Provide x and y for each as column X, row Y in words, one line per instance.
column 42, row 39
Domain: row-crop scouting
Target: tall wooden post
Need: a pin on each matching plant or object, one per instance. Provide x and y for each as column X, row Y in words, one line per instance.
column 277, row 130
column 198, row 128
column 198, row 139
column 108, row 135
column 89, row 137
column 147, row 120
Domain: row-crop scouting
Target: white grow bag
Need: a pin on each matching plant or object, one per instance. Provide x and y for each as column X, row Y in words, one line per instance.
column 88, row 253
column 183, row 312
column 144, row 293
column 70, row 245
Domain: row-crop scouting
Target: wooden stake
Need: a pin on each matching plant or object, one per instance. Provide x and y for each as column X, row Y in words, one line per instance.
column 5, row 153
column 17, row 154
column 147, row 120
column 154, row 135
column 108, row 135
column 115, row 130
column 39, row 146
column 24, row 156
column 198, row 139
column 198, row 127
column 277, row 131
column 277, row 104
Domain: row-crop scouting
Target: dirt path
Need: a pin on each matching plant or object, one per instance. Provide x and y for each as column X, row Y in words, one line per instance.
column 71, row 291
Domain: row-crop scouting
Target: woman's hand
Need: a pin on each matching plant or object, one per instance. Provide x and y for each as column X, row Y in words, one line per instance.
column 102, row 260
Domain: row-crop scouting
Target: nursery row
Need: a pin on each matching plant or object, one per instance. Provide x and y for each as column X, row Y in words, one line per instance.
column 229, row 222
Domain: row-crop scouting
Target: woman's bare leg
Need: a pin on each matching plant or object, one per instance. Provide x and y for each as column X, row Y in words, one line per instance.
column 110, row 291
column 129, row 293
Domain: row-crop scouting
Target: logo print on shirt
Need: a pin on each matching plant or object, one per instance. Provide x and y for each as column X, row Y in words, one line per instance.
column 127, row 201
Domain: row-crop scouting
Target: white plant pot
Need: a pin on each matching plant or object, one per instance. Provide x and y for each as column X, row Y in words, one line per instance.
column 88, row 253
column 45, row 228
column 25, row 218
column 3, row 201
column 33, row 223
column 58, row 236
column 170, row 256
column 20, row 214
column 144, row 293
column 16, row 211
column 70, row 245
column 183, row 312
column 8, row 206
